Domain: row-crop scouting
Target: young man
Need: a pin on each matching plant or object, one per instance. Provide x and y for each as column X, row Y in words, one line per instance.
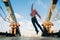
column 34, row 20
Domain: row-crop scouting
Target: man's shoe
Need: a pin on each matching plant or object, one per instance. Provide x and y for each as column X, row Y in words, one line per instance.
column 37, row 32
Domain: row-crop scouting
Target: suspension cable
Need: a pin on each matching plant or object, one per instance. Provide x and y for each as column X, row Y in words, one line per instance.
column 56, row 17
column 8, row 20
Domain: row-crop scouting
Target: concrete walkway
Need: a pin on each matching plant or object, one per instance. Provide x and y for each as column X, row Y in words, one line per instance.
column 28, row 38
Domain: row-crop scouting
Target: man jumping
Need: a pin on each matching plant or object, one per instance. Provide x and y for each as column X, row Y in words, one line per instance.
column 34, row 20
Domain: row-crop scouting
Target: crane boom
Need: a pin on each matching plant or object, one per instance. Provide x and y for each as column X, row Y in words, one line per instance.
column 51, row 9
column 47, row 23
column 10, row 10
column 14, row 25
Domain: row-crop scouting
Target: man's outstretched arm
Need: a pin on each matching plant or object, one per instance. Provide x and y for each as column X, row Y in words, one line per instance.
column 38, row 15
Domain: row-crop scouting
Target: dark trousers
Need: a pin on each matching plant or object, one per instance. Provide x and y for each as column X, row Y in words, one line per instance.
column 34, row 22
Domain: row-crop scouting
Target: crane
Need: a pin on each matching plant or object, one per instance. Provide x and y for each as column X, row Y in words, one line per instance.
column 13, row 24
column 47, row 24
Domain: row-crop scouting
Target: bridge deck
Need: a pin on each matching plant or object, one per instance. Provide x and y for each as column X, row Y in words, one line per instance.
column 29, row 38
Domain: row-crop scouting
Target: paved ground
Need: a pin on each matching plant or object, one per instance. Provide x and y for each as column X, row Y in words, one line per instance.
column 29, row 38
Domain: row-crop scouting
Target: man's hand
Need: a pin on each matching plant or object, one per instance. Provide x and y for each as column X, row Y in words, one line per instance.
column 40, row 17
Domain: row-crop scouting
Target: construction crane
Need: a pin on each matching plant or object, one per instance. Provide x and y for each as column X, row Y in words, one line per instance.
column 47, row 24
column 13, row 24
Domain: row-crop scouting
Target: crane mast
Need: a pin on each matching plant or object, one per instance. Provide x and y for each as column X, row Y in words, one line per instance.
column 13, row 24
column 47, row 23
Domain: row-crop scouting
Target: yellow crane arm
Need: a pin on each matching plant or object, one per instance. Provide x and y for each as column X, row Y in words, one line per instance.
column 14, row 25
column 10, row 10
column 47, row 23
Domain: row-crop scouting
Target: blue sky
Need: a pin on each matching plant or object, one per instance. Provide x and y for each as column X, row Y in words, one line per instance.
column 22, row 11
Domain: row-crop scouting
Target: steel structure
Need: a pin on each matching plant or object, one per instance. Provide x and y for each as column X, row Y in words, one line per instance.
column 13, row 24
column 47, row 24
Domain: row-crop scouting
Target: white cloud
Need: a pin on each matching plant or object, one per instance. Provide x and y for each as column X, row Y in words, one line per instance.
column 56, row 26
column 18, row 15
column 26, row 25
column 58, row 21
column 40, row 3
column 29, row 33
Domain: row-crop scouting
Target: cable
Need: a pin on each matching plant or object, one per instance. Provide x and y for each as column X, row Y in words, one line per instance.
column 57, row 17
column 8, row 20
